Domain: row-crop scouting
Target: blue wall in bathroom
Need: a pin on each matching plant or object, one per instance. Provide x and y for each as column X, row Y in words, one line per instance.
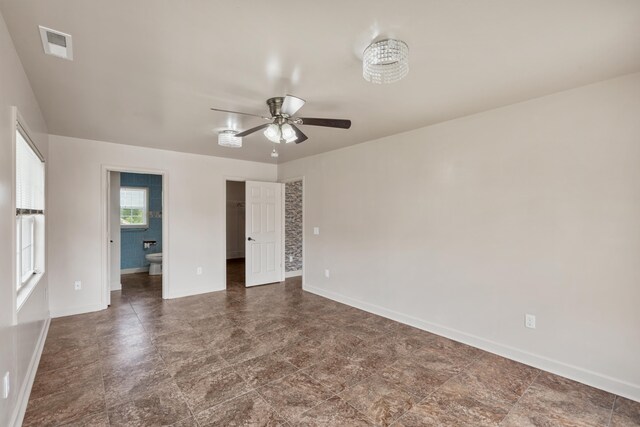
column 132, row 254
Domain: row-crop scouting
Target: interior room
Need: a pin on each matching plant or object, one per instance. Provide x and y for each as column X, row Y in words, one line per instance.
column 416, row 213
column 235, row 225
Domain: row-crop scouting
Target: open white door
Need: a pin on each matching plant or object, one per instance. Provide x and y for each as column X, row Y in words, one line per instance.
column 263, row 251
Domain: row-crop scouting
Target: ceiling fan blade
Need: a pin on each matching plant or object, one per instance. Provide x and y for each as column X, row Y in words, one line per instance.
column 239, row 112
column 291, row 105
column 330, row 123
column 300, row 137
column 252, row 130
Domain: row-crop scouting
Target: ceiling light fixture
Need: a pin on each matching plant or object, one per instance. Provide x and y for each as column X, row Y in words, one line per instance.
column 288, row 134
column 272, row 132
column 385, row 61
column 228, row 138
column 280, row 133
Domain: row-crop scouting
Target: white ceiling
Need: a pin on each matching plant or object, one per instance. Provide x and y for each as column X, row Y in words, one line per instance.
column 145, row 72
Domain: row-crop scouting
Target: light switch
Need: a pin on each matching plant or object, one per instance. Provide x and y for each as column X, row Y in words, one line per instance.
column 316, row 230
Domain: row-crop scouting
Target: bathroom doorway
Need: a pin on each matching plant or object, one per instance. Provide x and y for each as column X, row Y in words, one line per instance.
column 140, row 215
column 235, row 233
column 136, row 235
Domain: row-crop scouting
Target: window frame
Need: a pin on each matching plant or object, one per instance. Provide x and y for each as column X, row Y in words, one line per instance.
column 25, row 276
column 25, row 283
column 144, row 225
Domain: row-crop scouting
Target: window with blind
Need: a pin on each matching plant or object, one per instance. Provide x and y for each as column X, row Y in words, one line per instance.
column 134, row 207
column 29, row 210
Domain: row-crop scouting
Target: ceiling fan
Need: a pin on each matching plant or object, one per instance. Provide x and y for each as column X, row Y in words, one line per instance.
column 283, row 126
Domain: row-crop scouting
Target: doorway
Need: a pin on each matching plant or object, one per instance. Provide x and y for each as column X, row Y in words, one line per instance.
column 140, row 217
column 235, row 232
column 136, row 238
column 262, row 208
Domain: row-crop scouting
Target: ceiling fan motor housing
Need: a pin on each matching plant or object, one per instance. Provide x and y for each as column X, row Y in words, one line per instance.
column 275, row 106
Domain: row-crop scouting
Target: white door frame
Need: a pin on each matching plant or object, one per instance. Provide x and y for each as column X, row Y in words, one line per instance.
column 304, row 240
column 104, row 226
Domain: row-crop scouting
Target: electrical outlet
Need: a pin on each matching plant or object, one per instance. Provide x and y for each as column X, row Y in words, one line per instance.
column 530, row 321
column 199, row 271
column 290, row 258
column 6, row 385
column 326, row 274
column 316, row 230
column 77, row 285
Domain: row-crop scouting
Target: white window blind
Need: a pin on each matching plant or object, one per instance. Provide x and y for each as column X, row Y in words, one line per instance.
column 29, row 210
column 29, row 177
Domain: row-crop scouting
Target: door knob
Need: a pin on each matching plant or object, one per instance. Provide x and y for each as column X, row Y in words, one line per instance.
column 251, row 239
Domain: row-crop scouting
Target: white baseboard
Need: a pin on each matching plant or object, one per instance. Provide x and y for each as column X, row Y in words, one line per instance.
column 134, row 270
column 25, row 390
column 70, row 311
column 116, row 286
column 293, row 273
column 191, row 292
column 585, row 376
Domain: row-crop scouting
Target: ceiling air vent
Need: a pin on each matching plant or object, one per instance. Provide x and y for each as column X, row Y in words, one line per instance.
column 56, row 43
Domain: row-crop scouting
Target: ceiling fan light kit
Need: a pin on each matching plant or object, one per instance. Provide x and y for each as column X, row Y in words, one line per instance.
column 288, row 134
column 272, row 132
column 385, row 61
column 228, row 138
column 283, row 126
column 280, row 133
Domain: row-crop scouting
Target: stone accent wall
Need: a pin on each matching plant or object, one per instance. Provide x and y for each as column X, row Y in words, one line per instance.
column 293, row 225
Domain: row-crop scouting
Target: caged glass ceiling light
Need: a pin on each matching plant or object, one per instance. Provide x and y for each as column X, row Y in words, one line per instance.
column 228, row 138
column 385, row 61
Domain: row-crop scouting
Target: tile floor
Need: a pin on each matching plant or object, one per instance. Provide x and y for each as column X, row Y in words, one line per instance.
column 276, row 355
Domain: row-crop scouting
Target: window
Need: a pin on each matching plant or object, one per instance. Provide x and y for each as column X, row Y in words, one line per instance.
column 29, row 209
column 27, row 247
column 134, row 207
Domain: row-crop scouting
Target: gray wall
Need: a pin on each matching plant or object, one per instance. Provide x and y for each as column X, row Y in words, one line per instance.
column 293, row 226
column 463, row 227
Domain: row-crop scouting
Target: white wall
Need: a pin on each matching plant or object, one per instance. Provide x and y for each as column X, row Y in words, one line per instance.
column 463, row 227
column 19, row 340
column 195, row 212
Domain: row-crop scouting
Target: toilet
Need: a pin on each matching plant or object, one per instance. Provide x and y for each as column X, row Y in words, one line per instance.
column 155, row 266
